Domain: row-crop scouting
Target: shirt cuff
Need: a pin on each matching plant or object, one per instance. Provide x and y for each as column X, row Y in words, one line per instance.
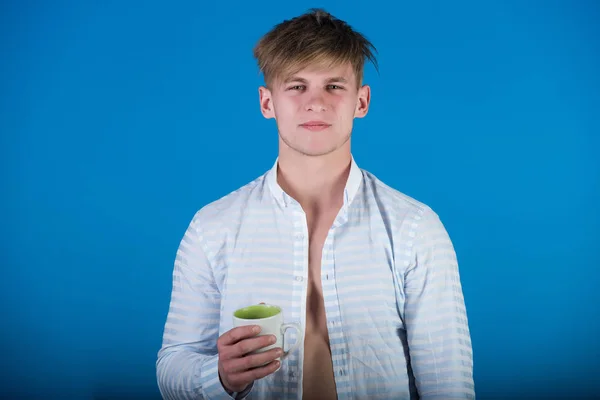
column 241, row 395
column 212, row 387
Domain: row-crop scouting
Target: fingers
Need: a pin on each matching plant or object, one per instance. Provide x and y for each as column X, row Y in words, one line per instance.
column 249, row 345
column 245, row 346
column 256, row 373
column 236, row 334
column 251, row 362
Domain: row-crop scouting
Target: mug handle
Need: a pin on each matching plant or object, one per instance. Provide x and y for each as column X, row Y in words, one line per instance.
column 299, row 334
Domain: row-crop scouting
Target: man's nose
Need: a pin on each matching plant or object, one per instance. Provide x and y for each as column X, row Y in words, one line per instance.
column 316, row 103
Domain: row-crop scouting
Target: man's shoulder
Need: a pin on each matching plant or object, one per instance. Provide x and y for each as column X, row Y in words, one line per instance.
column 230, row 206
column 392, row 198
column 400, row 207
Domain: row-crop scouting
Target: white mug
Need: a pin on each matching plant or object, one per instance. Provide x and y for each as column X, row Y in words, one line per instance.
column 270, row 320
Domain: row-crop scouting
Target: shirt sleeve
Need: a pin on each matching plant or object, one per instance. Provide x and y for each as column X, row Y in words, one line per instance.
column 435, row 316
column 187, row 364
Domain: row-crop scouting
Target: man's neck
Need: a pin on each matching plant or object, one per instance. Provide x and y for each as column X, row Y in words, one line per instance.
column 317, row 183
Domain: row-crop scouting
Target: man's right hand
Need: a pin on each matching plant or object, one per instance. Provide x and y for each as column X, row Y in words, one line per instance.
column 237, row 368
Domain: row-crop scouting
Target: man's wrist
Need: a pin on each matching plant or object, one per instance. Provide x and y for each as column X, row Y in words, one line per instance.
column 236, row 395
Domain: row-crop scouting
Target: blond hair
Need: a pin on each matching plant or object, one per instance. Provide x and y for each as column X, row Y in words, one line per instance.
column 315, row 38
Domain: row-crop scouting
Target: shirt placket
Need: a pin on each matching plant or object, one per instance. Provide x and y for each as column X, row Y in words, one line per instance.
column 337, row 339
column 299, row 292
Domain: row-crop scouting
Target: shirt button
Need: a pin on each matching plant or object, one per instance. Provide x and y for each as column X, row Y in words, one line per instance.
column 299, row 278
column 299, row 236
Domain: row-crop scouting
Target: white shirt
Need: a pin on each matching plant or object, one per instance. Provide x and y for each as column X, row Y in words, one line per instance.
column 393, row 299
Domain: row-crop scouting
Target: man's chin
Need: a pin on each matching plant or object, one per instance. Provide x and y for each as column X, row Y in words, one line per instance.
column 315, row 151
column 312, row 149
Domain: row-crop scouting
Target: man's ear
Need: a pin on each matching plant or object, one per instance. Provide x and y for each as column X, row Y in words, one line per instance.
column 266, row 102
column 362, row 104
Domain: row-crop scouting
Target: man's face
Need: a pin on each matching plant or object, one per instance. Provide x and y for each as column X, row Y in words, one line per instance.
column 315, row 108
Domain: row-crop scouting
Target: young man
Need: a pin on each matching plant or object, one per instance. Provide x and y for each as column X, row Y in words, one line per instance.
column 369, row 273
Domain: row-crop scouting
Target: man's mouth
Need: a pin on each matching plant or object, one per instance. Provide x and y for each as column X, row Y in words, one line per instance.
column 315, row 125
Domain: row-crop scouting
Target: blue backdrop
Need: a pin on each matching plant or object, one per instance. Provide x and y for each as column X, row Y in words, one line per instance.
column 119, row 120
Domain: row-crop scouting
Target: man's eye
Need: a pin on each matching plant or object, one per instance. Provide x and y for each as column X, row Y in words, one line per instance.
column 297, row 87
column 334, row 87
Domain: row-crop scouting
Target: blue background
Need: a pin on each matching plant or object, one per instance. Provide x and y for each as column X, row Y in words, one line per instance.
column 119, row 120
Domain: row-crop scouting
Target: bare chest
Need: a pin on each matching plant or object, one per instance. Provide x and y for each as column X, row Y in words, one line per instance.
column 318, row 229
column 318, row 378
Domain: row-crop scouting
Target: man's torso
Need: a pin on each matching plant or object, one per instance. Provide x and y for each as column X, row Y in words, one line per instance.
column 338, row 278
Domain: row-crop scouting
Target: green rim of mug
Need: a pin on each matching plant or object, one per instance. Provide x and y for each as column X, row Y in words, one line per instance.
column 259, row 311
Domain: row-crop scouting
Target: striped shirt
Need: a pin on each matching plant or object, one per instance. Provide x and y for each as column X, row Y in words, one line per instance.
column 393, row 299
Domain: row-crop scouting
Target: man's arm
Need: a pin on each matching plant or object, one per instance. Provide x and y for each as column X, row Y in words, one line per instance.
column 436, row 320
column 187, row 362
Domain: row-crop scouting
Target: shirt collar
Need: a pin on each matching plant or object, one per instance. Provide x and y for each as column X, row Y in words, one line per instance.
column 284, row 200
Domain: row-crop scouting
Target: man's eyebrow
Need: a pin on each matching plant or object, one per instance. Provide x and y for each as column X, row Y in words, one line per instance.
column 337, row 79
column 295, row 79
